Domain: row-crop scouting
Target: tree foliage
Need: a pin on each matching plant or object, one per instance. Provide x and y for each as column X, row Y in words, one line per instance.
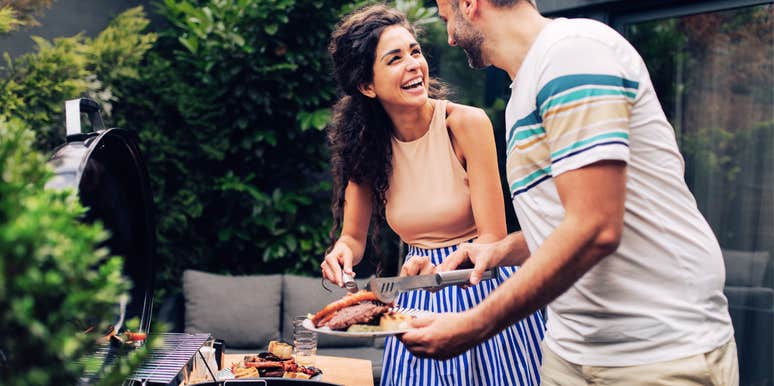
column 55, row 278
column 37, row 84
column 231, row 109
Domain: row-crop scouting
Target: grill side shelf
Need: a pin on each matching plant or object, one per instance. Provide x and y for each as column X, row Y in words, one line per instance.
column 162, row 365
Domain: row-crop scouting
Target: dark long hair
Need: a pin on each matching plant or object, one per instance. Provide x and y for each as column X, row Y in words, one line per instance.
column 360, row 134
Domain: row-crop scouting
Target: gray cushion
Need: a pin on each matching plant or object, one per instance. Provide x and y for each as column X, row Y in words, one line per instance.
column 304, row 295
column 745, row 269
column 244, row 311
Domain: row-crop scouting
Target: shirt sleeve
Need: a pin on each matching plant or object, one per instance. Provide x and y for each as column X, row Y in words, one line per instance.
column 585, row 101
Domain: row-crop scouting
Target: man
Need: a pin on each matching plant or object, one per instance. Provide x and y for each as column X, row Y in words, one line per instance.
column 612, row 241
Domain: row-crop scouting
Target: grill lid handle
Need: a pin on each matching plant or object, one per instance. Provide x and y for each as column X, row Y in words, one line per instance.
column 73, row 110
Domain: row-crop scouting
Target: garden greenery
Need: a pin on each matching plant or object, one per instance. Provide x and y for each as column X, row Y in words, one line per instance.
column 36, row 85
column 56, row 281
column 231, row 107
column 230, row 100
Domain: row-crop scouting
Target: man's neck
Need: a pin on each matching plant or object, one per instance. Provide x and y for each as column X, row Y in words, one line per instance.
column 510, row 33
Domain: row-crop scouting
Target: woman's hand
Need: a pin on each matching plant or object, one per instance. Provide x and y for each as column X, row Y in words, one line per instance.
column 338, row 260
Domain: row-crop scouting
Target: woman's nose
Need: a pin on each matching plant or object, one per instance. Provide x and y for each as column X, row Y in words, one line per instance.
column 412, row 64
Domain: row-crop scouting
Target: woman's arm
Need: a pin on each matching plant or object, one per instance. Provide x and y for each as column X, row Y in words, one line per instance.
column 349, row 248
column 473, row 139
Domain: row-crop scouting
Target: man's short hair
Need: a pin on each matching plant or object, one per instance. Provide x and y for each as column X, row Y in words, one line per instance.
column 509, row 3
column 497, row 3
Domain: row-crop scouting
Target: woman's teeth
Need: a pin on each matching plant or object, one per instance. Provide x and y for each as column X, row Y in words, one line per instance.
column 412, row 85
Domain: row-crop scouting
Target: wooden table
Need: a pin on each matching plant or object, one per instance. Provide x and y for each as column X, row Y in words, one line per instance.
column 339, row 370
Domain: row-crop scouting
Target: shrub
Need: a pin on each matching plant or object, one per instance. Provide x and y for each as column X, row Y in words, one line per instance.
column 37, row 84
column 230, row 109
column 54, row 280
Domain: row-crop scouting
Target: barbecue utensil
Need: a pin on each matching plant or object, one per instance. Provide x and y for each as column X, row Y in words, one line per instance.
column 349, row 282
column 388, row 288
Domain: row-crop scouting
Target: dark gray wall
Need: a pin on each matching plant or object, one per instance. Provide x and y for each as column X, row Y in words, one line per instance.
column 551, row 6
column 69, row 17
column 615, row 11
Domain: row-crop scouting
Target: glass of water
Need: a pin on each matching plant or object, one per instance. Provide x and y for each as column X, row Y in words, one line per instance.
column 304, row 343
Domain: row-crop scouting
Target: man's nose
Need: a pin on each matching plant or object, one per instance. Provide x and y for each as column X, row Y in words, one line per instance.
column 452, row 42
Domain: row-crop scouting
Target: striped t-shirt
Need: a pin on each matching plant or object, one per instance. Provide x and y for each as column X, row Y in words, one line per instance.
column 583, row 95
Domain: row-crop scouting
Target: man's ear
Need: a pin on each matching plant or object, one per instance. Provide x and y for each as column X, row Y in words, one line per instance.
column 367, row 90
column 469, row 8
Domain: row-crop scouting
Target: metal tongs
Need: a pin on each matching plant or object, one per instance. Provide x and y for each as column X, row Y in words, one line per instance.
column 388, row 288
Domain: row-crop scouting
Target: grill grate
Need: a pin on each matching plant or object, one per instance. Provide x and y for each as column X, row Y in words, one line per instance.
column 161, row 366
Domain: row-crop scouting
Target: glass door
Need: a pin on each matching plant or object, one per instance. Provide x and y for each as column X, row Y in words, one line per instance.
column 714, row 75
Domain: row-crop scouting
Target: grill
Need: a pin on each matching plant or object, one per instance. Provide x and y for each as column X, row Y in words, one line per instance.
column 107, row 170
column 162, row 366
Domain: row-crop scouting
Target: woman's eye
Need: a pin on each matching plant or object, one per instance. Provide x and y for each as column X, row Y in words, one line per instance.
column 393, row 59
column 416, row 51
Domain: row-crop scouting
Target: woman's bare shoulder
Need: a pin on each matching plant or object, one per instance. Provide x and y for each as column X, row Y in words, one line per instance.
column 463, row 118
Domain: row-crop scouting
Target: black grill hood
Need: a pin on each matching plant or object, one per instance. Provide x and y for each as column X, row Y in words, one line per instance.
column 107, row 170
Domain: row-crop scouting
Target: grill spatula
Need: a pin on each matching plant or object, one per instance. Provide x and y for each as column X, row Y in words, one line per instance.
column 388, row 288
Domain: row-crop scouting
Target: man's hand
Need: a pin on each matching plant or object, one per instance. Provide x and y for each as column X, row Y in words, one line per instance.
column 442, row 336
column 417, row 265
column 482, row 256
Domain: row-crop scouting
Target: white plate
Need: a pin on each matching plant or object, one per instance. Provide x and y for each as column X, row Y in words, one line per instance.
column 307, row 323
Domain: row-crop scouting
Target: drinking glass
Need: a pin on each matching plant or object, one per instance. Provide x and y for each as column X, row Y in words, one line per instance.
column 304, row 343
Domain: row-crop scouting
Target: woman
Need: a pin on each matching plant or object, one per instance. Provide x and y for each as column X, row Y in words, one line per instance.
column 429, row 168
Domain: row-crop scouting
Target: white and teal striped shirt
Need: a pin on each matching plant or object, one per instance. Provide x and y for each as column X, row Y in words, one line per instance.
column 583, row 95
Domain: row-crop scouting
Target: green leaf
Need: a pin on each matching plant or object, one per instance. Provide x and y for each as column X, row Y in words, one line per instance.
column 271, row 29
column 190, row 42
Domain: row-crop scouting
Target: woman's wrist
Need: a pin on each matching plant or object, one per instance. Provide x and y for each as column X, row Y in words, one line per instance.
column 352, row 245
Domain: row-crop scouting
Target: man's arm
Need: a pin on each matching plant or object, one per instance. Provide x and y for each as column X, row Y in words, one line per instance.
column 511, row 250
column 593, row 199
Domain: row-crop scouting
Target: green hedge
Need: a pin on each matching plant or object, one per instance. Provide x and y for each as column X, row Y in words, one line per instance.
column 55, row 281
column 230, row 103
column 231, row 108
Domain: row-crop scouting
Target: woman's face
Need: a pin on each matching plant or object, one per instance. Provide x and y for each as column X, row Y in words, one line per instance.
column 400, row 70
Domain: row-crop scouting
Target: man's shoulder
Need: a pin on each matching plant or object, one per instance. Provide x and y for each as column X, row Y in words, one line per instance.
column 577, row 31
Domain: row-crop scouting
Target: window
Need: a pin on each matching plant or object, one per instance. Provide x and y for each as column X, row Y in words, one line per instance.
column 714, row 75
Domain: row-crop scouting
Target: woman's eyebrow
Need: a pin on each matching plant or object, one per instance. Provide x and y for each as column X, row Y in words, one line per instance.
column 397, row 50
column 390, row 52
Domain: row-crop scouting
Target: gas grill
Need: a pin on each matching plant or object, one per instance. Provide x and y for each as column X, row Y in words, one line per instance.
column 107, row 170
column 105, row 167
column 163, row 366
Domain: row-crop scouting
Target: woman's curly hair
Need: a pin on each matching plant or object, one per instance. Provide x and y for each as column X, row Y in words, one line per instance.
column 360, row 133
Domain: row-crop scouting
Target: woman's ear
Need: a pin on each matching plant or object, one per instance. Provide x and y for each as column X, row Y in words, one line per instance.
column 367, row 90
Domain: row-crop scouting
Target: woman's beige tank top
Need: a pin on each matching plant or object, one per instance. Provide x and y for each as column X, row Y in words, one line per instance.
column 428, row 201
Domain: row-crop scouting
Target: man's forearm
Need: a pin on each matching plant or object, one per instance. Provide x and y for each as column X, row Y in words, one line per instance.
column 562, row 259
column 514, row 248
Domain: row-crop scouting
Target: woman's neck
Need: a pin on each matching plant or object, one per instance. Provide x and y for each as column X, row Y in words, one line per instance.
column 410, row 124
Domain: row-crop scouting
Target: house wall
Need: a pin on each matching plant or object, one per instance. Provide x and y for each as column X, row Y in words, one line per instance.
column 70, row 17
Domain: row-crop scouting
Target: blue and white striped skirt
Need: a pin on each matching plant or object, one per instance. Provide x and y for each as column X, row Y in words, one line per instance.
column 511, row 357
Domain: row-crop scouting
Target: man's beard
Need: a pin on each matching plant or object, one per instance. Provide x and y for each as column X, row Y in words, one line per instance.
column 470, row 40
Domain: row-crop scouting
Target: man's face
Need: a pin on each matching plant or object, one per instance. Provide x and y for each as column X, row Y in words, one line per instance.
column 462, row 33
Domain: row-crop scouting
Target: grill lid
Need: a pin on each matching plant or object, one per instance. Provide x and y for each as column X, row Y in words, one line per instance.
column 107, row 170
